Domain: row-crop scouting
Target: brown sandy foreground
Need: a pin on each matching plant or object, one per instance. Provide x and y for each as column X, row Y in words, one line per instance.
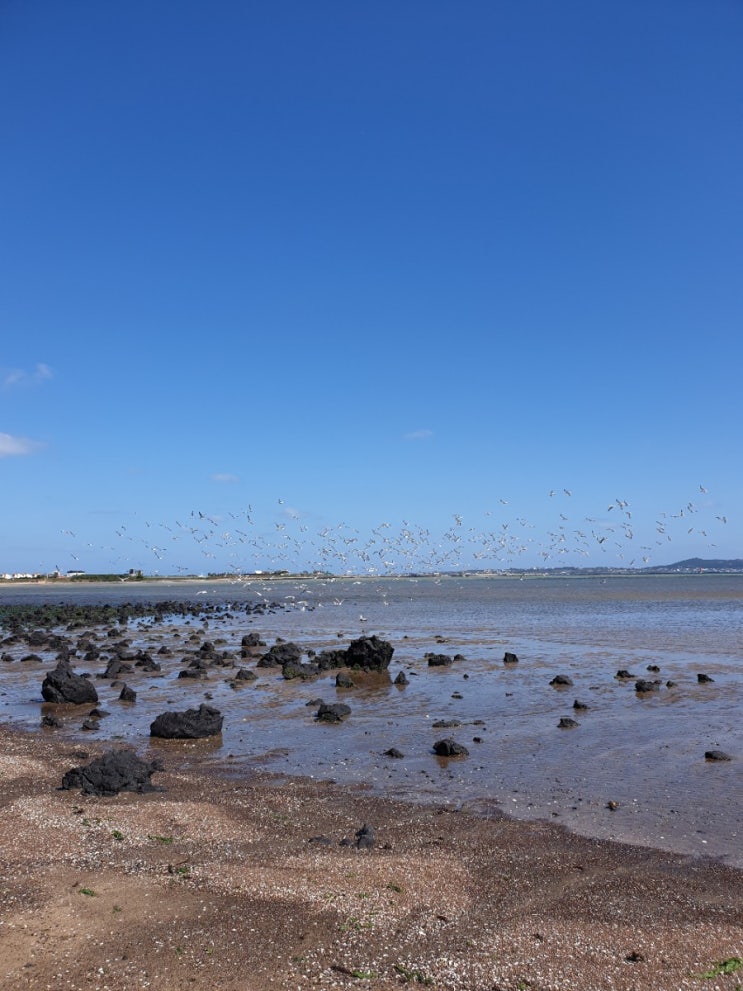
column 222, row 883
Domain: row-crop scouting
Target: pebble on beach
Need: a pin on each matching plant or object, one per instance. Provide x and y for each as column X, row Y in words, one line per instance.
column 336, row 712
column 450, row 748
column 714, row 755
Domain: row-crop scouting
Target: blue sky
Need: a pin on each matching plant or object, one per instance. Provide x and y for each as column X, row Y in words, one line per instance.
column 291, row 266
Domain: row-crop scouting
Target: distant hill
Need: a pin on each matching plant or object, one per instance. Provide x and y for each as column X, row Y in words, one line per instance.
column 707, row 564
column 690, row 566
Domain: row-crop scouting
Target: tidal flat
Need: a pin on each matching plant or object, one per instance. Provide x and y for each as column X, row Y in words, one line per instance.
column 631, row 768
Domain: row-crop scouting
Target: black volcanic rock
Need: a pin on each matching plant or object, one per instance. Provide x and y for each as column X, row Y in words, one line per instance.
column 714, row 755
column 193, row 724
column 561, row 681
column 115, row 668
column 365, row 837
column 63, row 685
column 369, row 653
column 328, row 659
column 334, row 712
column 279, row 655
column 146, row 662
column 510, row 658
column 642, row 686
column 37, row 638
column 114, row 771
column 438, row 660
column 450, row 748
column 196, row 670
column 304, row 672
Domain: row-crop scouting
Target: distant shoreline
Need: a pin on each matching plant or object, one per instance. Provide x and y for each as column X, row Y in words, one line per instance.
column 221, row 580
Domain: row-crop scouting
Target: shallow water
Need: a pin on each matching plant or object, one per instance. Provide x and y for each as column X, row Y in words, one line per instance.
column 644, row 752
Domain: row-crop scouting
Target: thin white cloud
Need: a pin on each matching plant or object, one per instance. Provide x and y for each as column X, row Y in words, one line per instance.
column 418, row 435
column 43, row 372
column 10, row 446
column 12, row 377
column 224, row 478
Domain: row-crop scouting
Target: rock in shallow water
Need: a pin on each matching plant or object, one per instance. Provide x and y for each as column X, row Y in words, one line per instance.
column 193, row 724
column 369, row 653
column 336, row 712
column 280, row 655
column 63, row 685
column 450, row 748
column 716, row 755
column 438, row 660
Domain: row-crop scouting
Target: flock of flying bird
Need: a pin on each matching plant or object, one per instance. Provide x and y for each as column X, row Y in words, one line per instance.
column 237, row 543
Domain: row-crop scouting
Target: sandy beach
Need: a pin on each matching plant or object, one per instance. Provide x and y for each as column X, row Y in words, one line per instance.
column 259, row 883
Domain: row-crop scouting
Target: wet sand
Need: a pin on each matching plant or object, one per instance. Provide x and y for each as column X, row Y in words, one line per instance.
column 219, row 883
